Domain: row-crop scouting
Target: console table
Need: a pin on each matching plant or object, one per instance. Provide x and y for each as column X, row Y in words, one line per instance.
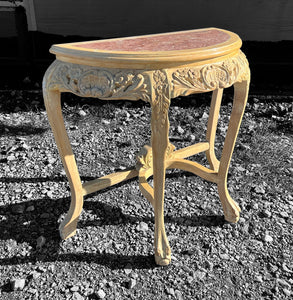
column 154, row 68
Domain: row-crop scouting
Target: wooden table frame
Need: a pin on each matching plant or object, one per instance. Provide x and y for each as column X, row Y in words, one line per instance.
column 156, row 81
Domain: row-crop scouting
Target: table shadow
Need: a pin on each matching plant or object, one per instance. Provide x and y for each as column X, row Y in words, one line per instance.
column 19, row 224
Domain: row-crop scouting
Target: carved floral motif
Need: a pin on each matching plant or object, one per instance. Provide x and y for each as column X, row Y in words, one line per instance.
column 210, row 77
column 145, row 156
column 161, row 100
column 100, row 83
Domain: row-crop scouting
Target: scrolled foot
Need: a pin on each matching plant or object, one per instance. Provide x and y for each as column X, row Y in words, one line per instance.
column 230, row 207
column 67, row 230
column 232, row 214
column 162, row 250
column 163, row 257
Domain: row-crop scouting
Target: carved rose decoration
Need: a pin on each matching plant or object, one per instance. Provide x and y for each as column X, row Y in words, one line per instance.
column 215, row 76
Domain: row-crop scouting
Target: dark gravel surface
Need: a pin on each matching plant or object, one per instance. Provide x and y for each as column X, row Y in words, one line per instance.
column 111, row 256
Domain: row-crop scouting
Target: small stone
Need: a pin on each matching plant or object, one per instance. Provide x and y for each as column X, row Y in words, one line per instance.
column 259, row 190
column 27, row 80
column 245, row 228
column 192, row 137
column 41, row 242
column 18, row 209
column 241, row 220
column 30, row 208
column 209, row 265
column 75, row 288
column 267, row 238
column 10, row 157
column 82, row 113
column 77, row 296
column 173, row 257
column 286, row 269
column 258, row 278
column 266, row 213
column 180, row 130
column 170, row 291
column 142, row 226
column 101, row 294
column 273, row 268
column 131, row 283
column 287, row 292
column 224, row 256
column 105, row 122
column 35, row 275
column 25, row 146
column 283, row 282
column 41, row 269
column 204, row 116
column 284, row 215
column 17, row 284
column 51, row 160
column 255, row 206
column 199, row 275
column 127, row 115
column 128, row 269
column 44, row 216
column 33, row 291
column 50, row 194
column 178, row 295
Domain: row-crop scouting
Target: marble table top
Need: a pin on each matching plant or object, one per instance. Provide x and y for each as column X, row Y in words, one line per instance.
column 161, row 42
column 151, row 51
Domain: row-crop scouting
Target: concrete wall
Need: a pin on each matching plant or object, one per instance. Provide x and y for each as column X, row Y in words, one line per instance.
column 256, row 20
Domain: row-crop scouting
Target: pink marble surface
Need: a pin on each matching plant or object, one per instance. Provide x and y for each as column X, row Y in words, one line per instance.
column 166, row 42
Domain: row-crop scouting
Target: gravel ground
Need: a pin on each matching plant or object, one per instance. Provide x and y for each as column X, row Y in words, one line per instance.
column 111, row 256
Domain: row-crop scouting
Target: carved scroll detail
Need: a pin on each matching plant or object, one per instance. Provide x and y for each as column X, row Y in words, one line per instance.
column 211, row 76
column 144, row 158
column 86, row 81
column 161, row 99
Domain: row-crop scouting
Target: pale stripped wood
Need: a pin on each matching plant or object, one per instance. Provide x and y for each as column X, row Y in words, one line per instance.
column 191, row 150
column 144, row 187
column 212, row 127
column 193, row 71
column 107, row 181
column 52, row 103
column 193, row 167
column 159, row 143
column 230, row 207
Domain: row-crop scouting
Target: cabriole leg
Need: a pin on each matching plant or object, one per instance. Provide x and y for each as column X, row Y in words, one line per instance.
column 231, row 209
column 160, row 141
column 53, row 106
column 212, row 127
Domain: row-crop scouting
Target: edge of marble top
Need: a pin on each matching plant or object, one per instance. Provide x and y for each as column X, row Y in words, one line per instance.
column 68, row 51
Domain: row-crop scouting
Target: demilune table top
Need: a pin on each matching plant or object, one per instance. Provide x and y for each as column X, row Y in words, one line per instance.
column 146, row 51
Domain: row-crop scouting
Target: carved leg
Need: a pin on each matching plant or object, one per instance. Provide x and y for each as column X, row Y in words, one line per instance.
column 52, row 102
column 160, row 141
column 231, row 209
column 212, row 127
